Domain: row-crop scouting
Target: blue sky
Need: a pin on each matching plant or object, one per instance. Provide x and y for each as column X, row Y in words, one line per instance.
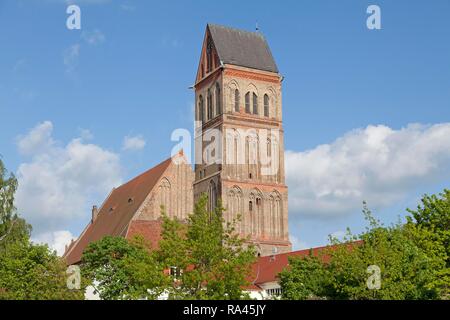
column 126, row 73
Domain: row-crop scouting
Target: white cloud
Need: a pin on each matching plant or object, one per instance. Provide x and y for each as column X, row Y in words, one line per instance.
column 133, row 143
column 93, row 37
column 71, row 54
column 85, row 134
column 376, row 164
column 70, row 57
column 59, row 183
column 297, row 244
column 38, row 140
column 56, row 240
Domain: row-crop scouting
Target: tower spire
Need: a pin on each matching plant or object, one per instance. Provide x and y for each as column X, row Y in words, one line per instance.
column 242, row 101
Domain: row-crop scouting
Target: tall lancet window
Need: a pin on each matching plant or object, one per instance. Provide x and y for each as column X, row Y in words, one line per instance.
column 201, row 109
column 236, row 100
column 255, row 103
column 209, row 54
column 164, row 196
column 266, row 105
column 218, row 100
column 209, row 103
column 247, row 102
column 212, row 196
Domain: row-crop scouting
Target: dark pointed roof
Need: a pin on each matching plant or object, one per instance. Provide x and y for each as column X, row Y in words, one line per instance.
column 242, row 48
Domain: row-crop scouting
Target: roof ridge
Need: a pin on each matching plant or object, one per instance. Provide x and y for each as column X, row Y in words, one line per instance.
column 144, row 173
column 116, row 223
column 242, row 47
column 307, row 250
column 163, row 166
column 258, row 33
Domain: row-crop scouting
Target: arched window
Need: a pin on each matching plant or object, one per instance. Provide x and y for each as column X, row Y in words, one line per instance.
column 247, row 102
column 259, row 216
column 255, row 103
column 218, row 104
column 255, row 213
column 266, row 105
column 164, row 195
column 209, row 103
column 237, row 156
column 212, row 196
column 279, row 215
column 247, row 151
column 209, row 53
column 236, row 100
column 201, row 109
column 276, row 215
column 235, row 208
column 275, row 159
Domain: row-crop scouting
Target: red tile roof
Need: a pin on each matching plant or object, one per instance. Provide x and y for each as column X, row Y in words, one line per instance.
column 117, row 211
column 266, row 269
column 150, row 230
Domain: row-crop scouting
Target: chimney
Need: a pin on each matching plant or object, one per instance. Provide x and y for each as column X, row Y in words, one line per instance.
column 94, row 213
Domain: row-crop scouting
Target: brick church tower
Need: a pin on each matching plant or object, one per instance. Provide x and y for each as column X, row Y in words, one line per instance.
column 239, row 144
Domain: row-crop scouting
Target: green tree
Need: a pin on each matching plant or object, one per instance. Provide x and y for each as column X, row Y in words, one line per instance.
column 430, row 225
column 306, row 279
column 123, row 269
column 433, row 215
column 12, row 228
column 27, row 271
column 409, row 270
column 32, row 272
column 433, row 212
column 210, row 260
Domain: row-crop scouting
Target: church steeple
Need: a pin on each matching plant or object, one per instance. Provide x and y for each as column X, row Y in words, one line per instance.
column 239, row 143
column 224, row 45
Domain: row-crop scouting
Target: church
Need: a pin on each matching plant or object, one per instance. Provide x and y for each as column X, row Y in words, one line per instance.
column 239, row 154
